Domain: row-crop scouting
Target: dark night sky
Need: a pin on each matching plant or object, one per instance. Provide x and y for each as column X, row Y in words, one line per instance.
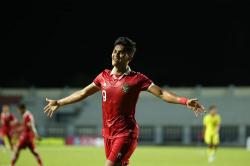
column 65, row 43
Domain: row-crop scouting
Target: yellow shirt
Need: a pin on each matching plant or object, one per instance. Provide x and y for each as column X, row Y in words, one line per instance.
column 211, row 123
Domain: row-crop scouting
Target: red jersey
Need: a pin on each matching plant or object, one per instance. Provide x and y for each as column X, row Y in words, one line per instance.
column 6, row 119
column 27, row 120
column 119, row 98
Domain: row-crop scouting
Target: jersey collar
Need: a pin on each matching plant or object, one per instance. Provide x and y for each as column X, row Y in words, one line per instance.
column 126, row 72
column 121, row 76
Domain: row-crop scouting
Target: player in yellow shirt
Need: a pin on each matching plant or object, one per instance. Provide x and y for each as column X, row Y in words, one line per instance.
column 211, row 124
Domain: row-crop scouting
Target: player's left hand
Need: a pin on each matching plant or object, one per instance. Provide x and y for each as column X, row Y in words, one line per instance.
column 51, row 107
column 196, row 107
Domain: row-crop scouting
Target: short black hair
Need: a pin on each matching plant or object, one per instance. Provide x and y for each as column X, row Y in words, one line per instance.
column 212, row 107
column 21, row 106
column 129, row 45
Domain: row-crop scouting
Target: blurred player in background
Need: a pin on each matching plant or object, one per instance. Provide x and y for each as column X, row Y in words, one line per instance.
column 28, row 135
column 8, row 122
column 211, row 124
column 120, row 89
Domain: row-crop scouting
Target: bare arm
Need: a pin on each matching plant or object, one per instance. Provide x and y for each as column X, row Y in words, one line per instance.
column 14, row 122
column 53, row 105
column 33, row 128
column 2, row 122
column 218, row 128
column 170, row 97
column 164, row 94
column 79, row 95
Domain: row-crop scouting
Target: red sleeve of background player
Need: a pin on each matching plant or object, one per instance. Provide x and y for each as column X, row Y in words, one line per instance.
column 97, row 80
column 27, row 119
column 145, row 82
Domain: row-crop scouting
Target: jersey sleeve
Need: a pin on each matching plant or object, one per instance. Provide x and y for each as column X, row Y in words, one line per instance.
column 27, row 119
column 145, row 82
column 97, row 80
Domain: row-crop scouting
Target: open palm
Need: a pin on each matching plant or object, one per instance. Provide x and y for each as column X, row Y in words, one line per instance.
column 196, row 107
column 51, row 107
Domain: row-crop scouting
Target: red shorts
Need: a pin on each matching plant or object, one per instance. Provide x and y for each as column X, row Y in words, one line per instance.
column 26, row 140
column 120, row 149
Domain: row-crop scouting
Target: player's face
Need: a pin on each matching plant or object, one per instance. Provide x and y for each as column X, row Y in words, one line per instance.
column 6, row 108
column 20, row 111
column 120, row 57
column 213, row 111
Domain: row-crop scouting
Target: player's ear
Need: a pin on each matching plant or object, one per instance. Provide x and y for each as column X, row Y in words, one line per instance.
column 130, row 57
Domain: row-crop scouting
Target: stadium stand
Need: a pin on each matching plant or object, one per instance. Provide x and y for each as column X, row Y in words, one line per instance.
column 160, row 123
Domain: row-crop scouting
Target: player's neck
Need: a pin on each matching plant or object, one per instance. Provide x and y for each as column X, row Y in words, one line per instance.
column 120, row 70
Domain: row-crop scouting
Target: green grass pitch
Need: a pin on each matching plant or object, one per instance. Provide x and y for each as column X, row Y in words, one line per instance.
column 143, row 156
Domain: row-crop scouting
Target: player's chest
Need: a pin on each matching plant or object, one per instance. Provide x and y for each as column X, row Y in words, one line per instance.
column 120, row 86
column 213, row 121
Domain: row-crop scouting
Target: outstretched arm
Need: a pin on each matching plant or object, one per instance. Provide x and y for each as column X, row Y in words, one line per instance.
column 170, row 97
column 53, row 105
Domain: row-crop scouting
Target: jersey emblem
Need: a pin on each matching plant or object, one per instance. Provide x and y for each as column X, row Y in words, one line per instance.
column 125, row 88
column 119, row 155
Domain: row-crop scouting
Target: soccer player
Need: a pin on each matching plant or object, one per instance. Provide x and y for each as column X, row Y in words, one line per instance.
column 211, row 124
column 8, row 120
column 27, row 136
column 120, row 89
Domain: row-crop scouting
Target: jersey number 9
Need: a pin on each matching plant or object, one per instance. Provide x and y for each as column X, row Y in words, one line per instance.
column 104, row 95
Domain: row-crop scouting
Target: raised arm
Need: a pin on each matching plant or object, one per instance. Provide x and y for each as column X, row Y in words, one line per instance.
column 53, row 105
column 170, row 97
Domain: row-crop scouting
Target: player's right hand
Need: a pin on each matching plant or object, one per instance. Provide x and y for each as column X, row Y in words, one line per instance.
column 51, row 107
